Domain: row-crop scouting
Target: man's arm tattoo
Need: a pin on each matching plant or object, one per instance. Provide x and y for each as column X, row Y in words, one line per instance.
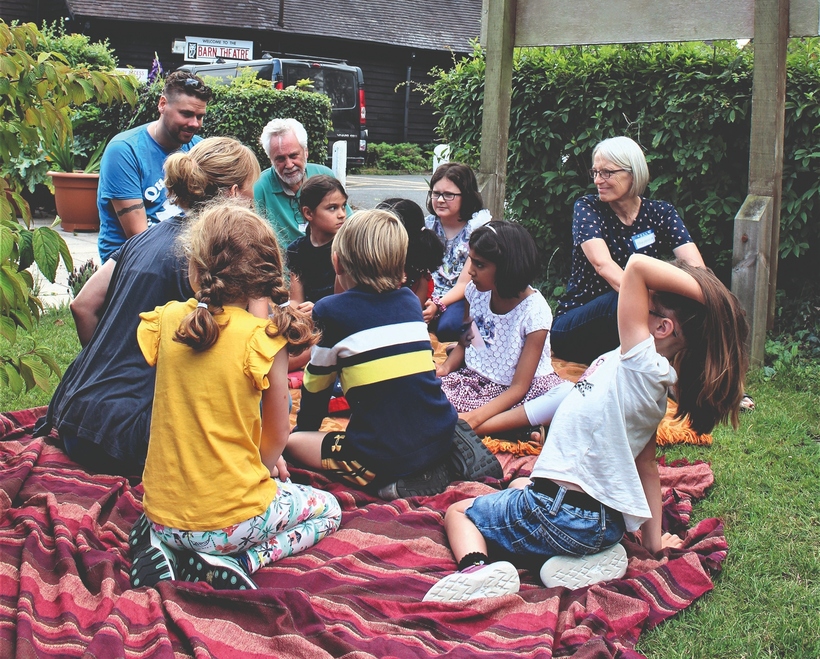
column 135, row 207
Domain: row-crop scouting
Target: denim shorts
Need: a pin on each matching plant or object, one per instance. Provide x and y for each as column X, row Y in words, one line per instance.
column 530, row 526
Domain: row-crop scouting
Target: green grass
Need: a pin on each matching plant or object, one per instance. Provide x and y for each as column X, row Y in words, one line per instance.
column 56, row 331
column 766, row 601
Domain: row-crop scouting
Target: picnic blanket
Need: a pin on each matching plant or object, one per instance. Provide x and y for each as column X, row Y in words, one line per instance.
column 64, row 588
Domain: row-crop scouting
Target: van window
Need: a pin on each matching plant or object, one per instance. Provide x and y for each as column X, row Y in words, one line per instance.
column 338, row 85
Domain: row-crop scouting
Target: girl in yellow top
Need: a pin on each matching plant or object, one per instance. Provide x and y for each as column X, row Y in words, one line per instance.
column 218, row 503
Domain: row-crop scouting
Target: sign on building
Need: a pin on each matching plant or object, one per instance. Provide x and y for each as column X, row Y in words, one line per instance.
column 209, row 49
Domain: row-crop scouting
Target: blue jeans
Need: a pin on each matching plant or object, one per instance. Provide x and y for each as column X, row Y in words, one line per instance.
column 586, row 332
column 447, row 327
column 529, row 526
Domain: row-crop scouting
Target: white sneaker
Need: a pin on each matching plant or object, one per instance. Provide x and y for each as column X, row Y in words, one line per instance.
column 493, row 580
column 578, row 571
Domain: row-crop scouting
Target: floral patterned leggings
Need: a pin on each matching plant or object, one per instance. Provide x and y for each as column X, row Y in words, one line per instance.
column 297, row 518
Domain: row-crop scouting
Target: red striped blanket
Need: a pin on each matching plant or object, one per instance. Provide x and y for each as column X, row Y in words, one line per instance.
column 64, row 588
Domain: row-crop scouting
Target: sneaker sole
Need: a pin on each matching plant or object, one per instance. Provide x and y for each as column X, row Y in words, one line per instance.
column 578, row 571
column 496, row 580
column 472, row 460
column 139, row 534
column 153, row 562
column 150, row 566
column 432, row 481
column 213, row 570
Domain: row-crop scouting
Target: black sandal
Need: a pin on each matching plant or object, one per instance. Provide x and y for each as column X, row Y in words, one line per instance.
column 523, row 435
column 747, row 403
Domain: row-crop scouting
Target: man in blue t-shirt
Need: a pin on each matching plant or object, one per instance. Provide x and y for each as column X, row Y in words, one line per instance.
column 131, row 194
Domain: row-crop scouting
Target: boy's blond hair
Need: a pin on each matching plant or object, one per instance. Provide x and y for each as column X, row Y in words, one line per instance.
column 371, row 247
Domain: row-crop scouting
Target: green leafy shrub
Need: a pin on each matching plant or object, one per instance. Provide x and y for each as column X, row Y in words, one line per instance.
column 403, row 157
column 689, row 105
column 37, row 92
column 78, row 49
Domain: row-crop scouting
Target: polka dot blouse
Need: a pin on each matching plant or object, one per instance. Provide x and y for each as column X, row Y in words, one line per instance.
column 657, row 231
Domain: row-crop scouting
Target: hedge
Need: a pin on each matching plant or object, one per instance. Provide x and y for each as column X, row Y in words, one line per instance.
column 688, row 105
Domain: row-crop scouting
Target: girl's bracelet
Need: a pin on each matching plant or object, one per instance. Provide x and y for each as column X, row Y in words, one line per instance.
column 439, row 305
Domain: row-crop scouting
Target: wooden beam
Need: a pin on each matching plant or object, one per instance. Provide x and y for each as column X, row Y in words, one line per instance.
column 495, row 127
column 564, row 22
column 756, row 240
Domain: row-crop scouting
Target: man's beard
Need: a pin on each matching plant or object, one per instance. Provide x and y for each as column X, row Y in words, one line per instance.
column 294, row 178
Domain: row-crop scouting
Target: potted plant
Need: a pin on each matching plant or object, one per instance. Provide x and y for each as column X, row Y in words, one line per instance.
column 75, row 186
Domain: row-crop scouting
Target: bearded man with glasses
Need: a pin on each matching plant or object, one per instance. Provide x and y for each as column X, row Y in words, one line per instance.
column 131, row 195
column 607, row 228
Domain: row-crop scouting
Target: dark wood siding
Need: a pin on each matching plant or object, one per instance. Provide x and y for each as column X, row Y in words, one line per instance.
column 31, row 10
column 384, row 67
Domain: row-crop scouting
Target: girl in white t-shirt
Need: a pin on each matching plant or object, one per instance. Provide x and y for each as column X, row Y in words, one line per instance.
column 507, row 360
column 597, row 477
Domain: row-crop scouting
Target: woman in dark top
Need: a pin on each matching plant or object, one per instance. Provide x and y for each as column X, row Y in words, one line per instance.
column 606, row 229
column 102, row 407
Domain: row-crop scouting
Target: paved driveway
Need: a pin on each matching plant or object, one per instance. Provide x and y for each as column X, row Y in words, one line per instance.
column 367, row 191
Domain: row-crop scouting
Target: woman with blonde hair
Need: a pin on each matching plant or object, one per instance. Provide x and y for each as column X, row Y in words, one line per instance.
column 102, row 407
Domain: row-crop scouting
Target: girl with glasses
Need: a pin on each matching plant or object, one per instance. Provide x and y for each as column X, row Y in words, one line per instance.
column 456, row 209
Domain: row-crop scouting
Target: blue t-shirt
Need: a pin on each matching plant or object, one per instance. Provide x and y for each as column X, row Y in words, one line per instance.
column 131, row 168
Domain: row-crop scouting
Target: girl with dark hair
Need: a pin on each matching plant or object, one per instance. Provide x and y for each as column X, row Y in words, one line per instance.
column 597, row 476
column 424, row 249
column 508, row 360
column 457, row 209
column 218, row 502
column 323, row 202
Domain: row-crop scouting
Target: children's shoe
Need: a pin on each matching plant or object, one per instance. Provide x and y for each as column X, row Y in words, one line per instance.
column 471, row 460
column 493, row 580
column 433, row 480
column 221, row 572
column 578, row 571
column 152, row 560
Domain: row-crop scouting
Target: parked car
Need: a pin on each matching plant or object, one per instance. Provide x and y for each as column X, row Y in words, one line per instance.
column 341, row 83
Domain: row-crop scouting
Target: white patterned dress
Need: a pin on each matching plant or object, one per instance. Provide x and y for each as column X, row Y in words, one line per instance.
column 489, row 370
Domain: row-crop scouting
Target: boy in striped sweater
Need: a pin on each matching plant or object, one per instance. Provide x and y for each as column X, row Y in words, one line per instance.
column 403, row 437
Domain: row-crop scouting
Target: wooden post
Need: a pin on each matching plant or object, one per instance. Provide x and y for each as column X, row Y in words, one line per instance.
column 495, row 126
column 757, row 224
column 751, row 267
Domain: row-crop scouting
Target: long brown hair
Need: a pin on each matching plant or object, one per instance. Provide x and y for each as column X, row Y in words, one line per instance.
column 712, row 366
column 234, row 256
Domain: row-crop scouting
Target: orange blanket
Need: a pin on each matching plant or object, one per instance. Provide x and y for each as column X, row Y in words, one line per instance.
column 670, row 430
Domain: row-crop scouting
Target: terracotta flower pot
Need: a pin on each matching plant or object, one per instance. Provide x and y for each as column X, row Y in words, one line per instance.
column 75, row 195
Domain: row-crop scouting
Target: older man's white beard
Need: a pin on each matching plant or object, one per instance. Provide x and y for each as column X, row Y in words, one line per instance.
column 292, row 179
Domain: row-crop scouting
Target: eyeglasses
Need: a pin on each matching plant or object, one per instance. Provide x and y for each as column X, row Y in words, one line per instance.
column 604, row 173
column 447, row 196
column 652, row 312
column 193, row 83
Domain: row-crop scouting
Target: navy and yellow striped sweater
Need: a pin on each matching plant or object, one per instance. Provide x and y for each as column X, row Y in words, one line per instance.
column 377, row 343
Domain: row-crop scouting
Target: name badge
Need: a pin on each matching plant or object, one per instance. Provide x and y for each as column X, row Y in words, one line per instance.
column 644, row 239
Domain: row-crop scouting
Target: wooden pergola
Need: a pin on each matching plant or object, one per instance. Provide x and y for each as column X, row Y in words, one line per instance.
column 507, row 24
